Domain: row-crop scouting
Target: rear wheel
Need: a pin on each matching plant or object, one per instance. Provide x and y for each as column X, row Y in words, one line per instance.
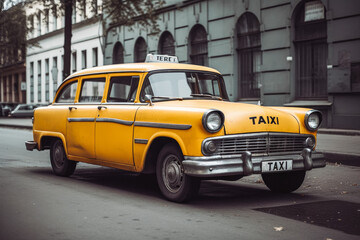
column 284, row 182
column 174, row 184
column 60, row 164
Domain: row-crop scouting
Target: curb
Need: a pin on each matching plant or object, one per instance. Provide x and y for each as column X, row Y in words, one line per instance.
column 16, row 126
column 346, row 132
column 345, row 159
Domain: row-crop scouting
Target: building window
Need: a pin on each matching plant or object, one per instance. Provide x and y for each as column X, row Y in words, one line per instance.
column 54, row 23
column 74, row 65
column 46, row 20
column 39, row 80
column 198, row 46
column 118, row 53
column 140, row 50
column 311, row 51
column 249, row 56
column 47, row 78
column 355, row 77
column 32, row 82
column 74, row 12
column 83, row 9
column 39, row 24
column 167, row 44
column 83, row 59
column 95, row 6
column 95, row 57
column 54, row 73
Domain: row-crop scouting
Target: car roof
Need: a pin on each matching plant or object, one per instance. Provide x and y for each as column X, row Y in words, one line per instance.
column 140, row 67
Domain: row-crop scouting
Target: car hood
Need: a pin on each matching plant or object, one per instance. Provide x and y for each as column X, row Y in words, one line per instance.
column 243, row 118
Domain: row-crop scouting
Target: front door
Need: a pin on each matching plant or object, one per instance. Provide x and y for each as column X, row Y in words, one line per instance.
column 115, row 121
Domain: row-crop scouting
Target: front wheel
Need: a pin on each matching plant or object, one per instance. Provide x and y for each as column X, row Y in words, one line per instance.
column 284, row 182
column 60, row 164
column 174, row 184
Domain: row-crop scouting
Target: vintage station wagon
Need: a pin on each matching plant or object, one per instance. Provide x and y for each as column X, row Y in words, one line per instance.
column 174, row 120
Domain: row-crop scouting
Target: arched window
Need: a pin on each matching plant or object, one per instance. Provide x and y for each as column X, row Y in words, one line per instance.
column 198, row 45
column 167, row 44
column 118, row 53
column 249, row 56
column 140, row 50
column 311, row 50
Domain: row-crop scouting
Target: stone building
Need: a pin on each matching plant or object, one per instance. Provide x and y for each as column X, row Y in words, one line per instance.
column 295, row 53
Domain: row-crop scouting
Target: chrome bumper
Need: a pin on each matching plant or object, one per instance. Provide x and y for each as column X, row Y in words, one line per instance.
column 30, row 145
column 245, row 164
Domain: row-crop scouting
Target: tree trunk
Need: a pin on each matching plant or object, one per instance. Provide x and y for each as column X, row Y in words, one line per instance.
column 67, row 37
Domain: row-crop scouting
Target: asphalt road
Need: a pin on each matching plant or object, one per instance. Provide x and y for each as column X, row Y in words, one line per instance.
column 104, row 203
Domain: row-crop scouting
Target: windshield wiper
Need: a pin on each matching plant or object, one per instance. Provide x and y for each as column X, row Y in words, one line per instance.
column 206, row 95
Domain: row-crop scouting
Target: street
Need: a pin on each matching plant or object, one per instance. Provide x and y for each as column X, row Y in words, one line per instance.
column 104, row 203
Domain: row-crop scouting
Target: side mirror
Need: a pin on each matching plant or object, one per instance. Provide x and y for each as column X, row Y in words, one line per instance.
column 148, row 99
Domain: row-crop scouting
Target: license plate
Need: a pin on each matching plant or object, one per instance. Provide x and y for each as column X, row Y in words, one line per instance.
column 276, row 166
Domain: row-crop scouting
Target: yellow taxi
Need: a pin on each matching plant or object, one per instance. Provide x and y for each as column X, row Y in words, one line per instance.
column 174, row 120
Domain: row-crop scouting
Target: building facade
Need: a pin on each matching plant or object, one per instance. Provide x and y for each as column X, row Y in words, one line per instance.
column 295, row 53
column 45, row 60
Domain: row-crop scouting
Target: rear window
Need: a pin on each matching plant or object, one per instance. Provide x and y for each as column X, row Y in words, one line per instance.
column 92, row 90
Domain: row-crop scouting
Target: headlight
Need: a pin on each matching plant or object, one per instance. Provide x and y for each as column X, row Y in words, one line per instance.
column 313, row 120
column 213, row 121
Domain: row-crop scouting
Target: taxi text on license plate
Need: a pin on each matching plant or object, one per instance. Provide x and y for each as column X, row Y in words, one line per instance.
column 276, row 166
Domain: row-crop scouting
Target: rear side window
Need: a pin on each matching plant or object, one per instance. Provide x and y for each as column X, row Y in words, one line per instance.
column 92, row 90
column 123, row 89
column 68, row 93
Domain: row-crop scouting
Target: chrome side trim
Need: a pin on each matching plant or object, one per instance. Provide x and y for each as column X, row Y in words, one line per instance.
column 141, row 141
column 81, row 119
column 114, row 120
column 163, row 125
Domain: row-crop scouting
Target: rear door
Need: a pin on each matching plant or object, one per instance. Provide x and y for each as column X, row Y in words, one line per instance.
column 81, row 117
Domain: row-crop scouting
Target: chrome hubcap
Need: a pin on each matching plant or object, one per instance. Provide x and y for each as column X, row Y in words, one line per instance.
column 58, row 157
column 172, row 173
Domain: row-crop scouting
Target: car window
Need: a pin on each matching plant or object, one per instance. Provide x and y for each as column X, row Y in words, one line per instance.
column 123, row 89
column 183, row 85
column 92, row 90
column 68, row 93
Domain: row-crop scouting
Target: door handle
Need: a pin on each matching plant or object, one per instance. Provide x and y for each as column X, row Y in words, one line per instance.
column 71, row 108
column 100, row 107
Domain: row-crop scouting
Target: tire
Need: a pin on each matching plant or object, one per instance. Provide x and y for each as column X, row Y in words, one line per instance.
column 60, row 164
column 284, row 182
column 174, row 184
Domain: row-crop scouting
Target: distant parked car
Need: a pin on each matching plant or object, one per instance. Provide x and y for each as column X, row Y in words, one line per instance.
column 6, row 108
column 23, row 110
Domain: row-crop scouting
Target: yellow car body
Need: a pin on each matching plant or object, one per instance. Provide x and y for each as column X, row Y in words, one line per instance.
column 131, row 133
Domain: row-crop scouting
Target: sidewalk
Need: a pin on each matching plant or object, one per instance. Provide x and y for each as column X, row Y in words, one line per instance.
column 338, row 145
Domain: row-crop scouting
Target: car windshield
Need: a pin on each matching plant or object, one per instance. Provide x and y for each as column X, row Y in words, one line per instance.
column 184, row 85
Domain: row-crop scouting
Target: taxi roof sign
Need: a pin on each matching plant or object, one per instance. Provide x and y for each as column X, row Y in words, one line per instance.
column 161, row 58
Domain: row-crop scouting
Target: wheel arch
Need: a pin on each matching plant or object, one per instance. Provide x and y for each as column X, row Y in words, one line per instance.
column 153, row 151
column 46, row 140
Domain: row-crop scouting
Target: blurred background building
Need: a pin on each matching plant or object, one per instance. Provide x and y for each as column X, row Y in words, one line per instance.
column 298, row 53
column 295, row 53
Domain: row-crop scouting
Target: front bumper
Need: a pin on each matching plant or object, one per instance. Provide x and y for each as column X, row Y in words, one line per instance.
column 245, row 164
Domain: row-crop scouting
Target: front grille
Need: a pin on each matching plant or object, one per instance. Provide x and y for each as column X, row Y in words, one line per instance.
column 261, row 144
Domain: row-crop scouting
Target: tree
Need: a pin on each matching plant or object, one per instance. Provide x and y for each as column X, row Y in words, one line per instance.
column 119, row 12
column 13, row 30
